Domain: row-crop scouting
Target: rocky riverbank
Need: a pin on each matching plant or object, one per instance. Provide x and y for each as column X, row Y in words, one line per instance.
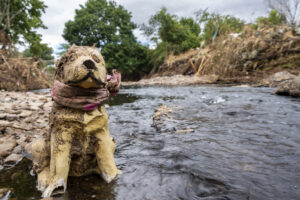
column 23, row 118
column 271, row 81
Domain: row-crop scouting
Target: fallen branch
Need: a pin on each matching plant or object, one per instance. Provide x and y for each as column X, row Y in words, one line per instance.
column 201, row 66
column 5, row 61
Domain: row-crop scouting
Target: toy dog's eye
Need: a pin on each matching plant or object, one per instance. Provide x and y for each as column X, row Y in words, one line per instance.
column 95, row 58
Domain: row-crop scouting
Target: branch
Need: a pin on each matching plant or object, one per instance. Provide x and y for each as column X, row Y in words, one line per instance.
column 5, row 60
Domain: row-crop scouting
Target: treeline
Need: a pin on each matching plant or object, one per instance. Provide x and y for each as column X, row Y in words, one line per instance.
column 109, row 26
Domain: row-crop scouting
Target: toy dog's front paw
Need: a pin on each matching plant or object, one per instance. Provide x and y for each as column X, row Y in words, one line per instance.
column 109, row 177
column 54, row 185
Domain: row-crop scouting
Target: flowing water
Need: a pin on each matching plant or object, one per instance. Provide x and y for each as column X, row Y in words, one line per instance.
column 244, row 143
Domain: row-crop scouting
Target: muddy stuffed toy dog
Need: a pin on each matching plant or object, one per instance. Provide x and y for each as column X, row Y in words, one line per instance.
column 79, row 142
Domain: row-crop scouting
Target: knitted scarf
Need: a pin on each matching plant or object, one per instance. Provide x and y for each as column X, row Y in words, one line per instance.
column 82, row 98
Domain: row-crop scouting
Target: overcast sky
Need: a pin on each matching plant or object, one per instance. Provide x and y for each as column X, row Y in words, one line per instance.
column 60, row 11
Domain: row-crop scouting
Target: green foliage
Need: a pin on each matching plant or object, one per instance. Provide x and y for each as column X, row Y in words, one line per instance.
column 63, row 48
column 287, row 66
column 171, row 35
column 191, row 25
column 40, row 50
column 101, row 22
column 274, row 18
column 216, row 24
column 132, row 59
column 19, row 19
column 109, row 26
column 179, row 35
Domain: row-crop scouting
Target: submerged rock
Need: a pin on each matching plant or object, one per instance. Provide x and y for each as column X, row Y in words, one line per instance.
column 289, row 87
column 164, row 121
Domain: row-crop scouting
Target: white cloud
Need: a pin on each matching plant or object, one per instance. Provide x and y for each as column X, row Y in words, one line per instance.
column 57, row 14
column 60, row 11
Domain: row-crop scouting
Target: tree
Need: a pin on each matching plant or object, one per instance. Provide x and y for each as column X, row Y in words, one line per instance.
column 171, row 35
column 287, row 8
column 63, row 47
column 216, row 24
column 19, row 19
column 274, row 18
column 178, row 34
column 109, row 26
column 41, row 50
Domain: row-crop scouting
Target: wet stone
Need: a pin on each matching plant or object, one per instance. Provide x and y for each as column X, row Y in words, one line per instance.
column 6, row 146
column 18, row 150
column 25, row 113
column 13, row 158
column 289, row 88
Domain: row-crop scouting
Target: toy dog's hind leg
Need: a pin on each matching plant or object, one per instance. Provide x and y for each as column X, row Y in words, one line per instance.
column 61, row 139
column 41, row 161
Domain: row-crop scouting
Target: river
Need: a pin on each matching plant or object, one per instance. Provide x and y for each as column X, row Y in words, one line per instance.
column 243, row 143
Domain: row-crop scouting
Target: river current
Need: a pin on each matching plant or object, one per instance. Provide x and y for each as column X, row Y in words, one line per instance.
column 243, row 143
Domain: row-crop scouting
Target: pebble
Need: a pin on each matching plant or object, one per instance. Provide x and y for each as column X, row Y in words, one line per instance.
column 17, row 150
column 25, row 113
column 7, row 99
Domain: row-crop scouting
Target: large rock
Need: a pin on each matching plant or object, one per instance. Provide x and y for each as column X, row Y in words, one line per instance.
column 277, row 78
column 289, row 87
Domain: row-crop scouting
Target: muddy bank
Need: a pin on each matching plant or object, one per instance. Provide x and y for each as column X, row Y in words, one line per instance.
column 24, row 117
column 21, row 74
column 175, row 80
column 250, row 56
column 271, row 81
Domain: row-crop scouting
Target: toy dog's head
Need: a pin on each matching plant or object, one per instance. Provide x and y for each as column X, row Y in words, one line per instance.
column 83, row 67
